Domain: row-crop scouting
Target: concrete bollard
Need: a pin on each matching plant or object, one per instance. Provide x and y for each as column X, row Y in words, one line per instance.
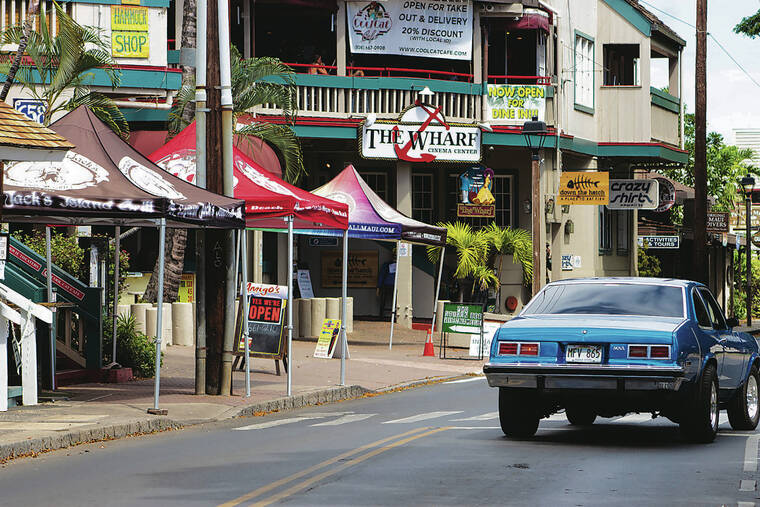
column 183, row 325
column 150, row 326
column 332, row 308
column 318, row 312
column 350, row 314
column 123, row 311
column 304, row 317
column 151, row 316
column 138, row 310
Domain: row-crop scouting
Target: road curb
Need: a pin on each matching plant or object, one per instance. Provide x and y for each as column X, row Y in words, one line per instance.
column 331, row 395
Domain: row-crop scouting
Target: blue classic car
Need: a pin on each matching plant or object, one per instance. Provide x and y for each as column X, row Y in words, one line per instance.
column 609, row 346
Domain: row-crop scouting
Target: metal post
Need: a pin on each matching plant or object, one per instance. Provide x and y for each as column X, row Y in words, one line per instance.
column 244, row 305
column 51, row 327
column 536, row 220
column 116, row 259
column 748, row 202
column 395, row 288
column 290, row 304
column 437, row 290
column 343, row 310
column 159, row 317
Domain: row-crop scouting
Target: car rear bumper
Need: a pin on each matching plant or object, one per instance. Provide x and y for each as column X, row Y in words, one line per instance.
column 605, row 377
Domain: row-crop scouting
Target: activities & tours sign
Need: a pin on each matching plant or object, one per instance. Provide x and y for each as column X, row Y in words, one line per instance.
column 431, row 28
column 660, row 242
column 421, row 134
column 584, row 188
column 515, row 104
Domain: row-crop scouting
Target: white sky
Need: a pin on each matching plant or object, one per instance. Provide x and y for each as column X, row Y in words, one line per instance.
column 733, row 100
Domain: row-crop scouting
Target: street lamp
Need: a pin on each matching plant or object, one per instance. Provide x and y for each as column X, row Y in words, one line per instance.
column 535, row 136
column 748, row 185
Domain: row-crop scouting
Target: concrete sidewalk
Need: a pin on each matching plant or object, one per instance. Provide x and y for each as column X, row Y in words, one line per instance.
column 90, row 412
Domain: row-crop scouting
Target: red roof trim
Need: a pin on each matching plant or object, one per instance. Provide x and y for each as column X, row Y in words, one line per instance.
column 661, row 145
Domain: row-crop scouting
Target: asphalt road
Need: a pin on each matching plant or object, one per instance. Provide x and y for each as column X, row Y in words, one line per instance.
column 435, row 445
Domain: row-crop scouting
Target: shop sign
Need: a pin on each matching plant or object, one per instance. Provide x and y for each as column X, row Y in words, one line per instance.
column 421, row 134
column 430, row 28
column 304, row 283
column 266, row 317
column 186, row 292
column 31, row 108
column 266, row 290
column 476, row 211
column 129, row 32
column 738, row 218
column 634, row 194
column 323, row 241
column 328, row 338
column 570, row 262
column 515, row 104
column 667, row 195
column 362, row 268
column 584, row 188
column 717, row 221
column 474, row 196
column 660, row 242
column 462, row 318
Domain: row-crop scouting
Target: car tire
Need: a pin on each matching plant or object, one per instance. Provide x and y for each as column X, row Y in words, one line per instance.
column 743, row 410
column 517, row 413
column 700, row 421
column 580, row 416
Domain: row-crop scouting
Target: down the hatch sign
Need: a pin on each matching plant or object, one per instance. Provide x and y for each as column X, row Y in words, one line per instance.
column 421, row 134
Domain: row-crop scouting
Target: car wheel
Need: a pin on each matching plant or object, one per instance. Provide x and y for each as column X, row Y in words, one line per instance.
column 743, row 410
column 517, row 413
column 700, row 422
column 580, row 416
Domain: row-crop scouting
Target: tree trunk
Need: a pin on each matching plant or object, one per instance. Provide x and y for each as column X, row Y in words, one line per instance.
column 176, row 239
column 34, row 8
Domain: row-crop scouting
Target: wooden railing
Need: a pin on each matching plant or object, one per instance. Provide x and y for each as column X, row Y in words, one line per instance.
column 70, row 334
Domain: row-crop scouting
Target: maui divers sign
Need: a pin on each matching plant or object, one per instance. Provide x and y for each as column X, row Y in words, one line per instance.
column 634, row 194
column 421, row 134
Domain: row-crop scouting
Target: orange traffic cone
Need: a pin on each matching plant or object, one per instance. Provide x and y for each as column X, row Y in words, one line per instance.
column 429, row 350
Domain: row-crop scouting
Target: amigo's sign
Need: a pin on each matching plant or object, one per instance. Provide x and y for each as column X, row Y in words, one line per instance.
column 431, row 28
column 515, row 104
column 422, row 134
column 634, row 194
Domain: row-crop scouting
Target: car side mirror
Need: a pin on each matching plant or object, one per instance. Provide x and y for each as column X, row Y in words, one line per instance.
column 732, row 322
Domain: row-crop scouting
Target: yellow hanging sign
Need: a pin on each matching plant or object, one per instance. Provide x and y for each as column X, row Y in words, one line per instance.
column 133, row 19
column 584, row 188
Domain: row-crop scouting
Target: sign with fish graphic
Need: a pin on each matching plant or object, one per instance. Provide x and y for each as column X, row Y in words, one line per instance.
column 586, row 187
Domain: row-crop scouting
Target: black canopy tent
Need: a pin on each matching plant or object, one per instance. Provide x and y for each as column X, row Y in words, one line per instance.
column 104, row 181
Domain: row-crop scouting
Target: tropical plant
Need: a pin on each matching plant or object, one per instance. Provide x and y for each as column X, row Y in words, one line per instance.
column 514, row 242
column 133, row 349
column 749, row 26
column 64, row 250
column 471, row 249
column 63, row 67
column 649, row 265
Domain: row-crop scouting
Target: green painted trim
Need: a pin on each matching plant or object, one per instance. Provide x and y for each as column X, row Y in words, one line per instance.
column 630, row 14
column 130, row 78
column 580, row 107
column 638, row 151
column 325, row 132
column 147, row 115
column 516, row 140
column 144, row 3
column 665, row 100
column 172, row 56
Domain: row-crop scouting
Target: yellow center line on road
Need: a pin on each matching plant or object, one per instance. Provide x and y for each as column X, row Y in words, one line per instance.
column 305, row 484
column 348, row 454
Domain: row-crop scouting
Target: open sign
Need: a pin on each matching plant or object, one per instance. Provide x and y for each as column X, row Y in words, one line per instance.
column 130, row 44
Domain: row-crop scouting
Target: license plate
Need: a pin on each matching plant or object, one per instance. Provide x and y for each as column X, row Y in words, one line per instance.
column 583, row 354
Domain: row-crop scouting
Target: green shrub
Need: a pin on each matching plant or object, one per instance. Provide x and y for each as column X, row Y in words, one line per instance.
column 64, row 250
column 133, row 349
column 649, row 265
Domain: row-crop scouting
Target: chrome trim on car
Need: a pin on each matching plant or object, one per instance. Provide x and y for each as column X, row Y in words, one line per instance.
column 597, row 382
column 580, row 368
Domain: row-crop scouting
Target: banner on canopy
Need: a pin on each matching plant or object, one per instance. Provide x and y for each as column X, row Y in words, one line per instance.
column 431, row 28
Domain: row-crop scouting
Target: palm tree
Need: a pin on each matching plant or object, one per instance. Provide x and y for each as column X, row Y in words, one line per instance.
column 62, row 68
column 514, row 242
column 471, row 248
column 255, row 82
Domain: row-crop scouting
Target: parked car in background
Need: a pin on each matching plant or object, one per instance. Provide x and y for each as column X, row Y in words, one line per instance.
column 605, row 347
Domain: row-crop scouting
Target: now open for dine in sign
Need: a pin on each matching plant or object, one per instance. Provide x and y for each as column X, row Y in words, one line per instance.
column 129, row 32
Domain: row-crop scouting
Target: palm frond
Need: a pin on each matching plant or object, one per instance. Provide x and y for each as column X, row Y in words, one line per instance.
column 484, row 278
column 184, row 98
column 104, row 108
column 286, row 142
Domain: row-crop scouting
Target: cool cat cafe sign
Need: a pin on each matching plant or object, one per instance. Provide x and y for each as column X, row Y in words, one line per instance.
column 421, row 134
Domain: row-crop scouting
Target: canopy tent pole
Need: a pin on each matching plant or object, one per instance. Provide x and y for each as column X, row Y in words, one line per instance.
column 116, row 259
column 437, row 290
column 289, row 219
column 244, row 309
column 159, row 316
column 395, row 285
column 343, row 309
column 51, row 327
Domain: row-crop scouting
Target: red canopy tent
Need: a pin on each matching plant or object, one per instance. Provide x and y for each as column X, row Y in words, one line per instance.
column 268, row 199
column 268, row 202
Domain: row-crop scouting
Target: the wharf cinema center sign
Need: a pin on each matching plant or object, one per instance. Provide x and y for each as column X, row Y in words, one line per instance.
column 421, row 134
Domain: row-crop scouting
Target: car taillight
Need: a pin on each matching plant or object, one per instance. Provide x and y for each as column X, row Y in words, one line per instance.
column 659, row 352
column 507, row 349
column 529, row 349
column 637, row 351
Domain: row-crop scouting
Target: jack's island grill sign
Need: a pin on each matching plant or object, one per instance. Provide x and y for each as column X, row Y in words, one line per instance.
column 421, row 134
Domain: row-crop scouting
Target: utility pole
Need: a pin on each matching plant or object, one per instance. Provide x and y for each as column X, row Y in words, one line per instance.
column 699, row 271
column 215, row 239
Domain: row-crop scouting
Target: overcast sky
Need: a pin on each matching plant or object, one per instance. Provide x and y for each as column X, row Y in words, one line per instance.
column 733, row 100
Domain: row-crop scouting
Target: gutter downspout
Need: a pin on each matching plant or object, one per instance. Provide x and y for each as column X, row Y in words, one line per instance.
column 680, row 95
column 200, row 180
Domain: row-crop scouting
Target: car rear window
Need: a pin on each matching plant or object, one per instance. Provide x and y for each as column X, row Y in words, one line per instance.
column 609, row 298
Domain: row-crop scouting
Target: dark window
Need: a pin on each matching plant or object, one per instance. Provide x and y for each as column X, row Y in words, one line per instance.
column 605, row 230
column 701, row 312
column 621, row 65
column 716, row 314
column 609, row 299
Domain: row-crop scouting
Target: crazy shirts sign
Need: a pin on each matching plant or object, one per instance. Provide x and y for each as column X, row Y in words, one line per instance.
column 432, row 28
column 420, row 135
column 634, row 194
